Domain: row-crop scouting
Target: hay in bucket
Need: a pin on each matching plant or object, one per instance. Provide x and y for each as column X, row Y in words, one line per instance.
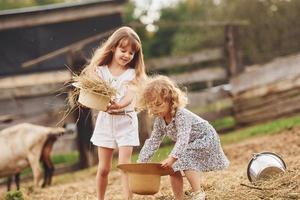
column 91, row 93
column 86, row 91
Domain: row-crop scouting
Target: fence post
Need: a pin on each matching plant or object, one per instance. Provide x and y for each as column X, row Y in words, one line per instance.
column 232, row 54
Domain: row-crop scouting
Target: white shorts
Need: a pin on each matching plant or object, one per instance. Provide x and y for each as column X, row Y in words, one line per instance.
column 114, row 131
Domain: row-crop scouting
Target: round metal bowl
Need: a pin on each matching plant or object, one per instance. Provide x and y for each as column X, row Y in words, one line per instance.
column 263, row 165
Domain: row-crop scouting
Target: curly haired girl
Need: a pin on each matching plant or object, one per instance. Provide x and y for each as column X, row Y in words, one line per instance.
column 197, row 145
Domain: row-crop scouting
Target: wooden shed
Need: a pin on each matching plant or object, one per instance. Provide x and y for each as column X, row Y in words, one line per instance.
column 26, row 34
column 36, row 44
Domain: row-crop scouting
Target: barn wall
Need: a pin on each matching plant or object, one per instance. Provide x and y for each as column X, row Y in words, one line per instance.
column 24, row 44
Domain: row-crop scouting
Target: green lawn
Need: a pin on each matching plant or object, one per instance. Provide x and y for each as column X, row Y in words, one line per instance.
column 224, row 123
column 69, row 158
column 267, row 128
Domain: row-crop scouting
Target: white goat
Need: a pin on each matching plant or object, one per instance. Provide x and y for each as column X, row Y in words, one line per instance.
column 23, row 145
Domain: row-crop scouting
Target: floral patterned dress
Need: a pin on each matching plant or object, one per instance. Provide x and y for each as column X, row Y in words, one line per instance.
column 197, row 144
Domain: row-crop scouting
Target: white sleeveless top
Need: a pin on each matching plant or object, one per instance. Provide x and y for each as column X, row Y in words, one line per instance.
column 118, row 82
column 113, row 131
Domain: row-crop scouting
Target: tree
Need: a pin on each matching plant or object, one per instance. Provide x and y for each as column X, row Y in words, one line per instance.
column 273, row 28
column 12, row 4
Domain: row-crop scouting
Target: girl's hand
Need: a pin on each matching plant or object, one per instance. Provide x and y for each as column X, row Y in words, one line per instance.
column 167, row 163
column 113, row 106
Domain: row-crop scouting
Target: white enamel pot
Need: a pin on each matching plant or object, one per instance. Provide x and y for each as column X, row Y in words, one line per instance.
column 263, row 165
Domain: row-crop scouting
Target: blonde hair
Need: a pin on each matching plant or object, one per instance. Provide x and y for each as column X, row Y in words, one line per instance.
column 161, row 89
column 122, row 36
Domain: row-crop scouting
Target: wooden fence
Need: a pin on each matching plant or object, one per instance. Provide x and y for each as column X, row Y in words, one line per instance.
column 33, row 98
column 267, row 92
column 261, row 93
column 207, row 97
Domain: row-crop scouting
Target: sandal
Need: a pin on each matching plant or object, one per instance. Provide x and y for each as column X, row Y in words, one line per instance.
column 200, row 195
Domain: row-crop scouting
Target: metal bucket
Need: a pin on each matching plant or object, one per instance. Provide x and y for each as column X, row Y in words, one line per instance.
column 263, row 165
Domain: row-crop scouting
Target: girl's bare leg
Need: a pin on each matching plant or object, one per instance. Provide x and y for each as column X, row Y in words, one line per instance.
column 104, row 166
column 125, row 153
column 177, row 185
column 193, row 178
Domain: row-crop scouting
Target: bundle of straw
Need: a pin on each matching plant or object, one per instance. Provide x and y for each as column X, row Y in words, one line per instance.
column 94, row 86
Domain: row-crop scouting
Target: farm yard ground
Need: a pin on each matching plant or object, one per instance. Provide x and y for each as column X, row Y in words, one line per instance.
column 227, row 184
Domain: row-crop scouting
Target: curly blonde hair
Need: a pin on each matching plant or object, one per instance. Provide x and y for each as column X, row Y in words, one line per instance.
column 161, row 89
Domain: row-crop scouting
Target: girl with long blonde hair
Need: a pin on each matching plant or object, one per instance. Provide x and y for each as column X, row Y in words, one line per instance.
column 119, row 61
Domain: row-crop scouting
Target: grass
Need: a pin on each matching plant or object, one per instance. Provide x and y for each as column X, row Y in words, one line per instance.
column 268, row 128
column 68, row 158
column 219, row 124
column 14, row 195
column 224, row 123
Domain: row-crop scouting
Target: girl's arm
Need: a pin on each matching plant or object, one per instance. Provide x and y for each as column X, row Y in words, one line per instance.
column 183, row 126
column 151, row 144
column 125, row 101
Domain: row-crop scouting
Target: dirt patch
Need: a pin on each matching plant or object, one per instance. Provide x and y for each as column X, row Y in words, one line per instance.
column 221, row 185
